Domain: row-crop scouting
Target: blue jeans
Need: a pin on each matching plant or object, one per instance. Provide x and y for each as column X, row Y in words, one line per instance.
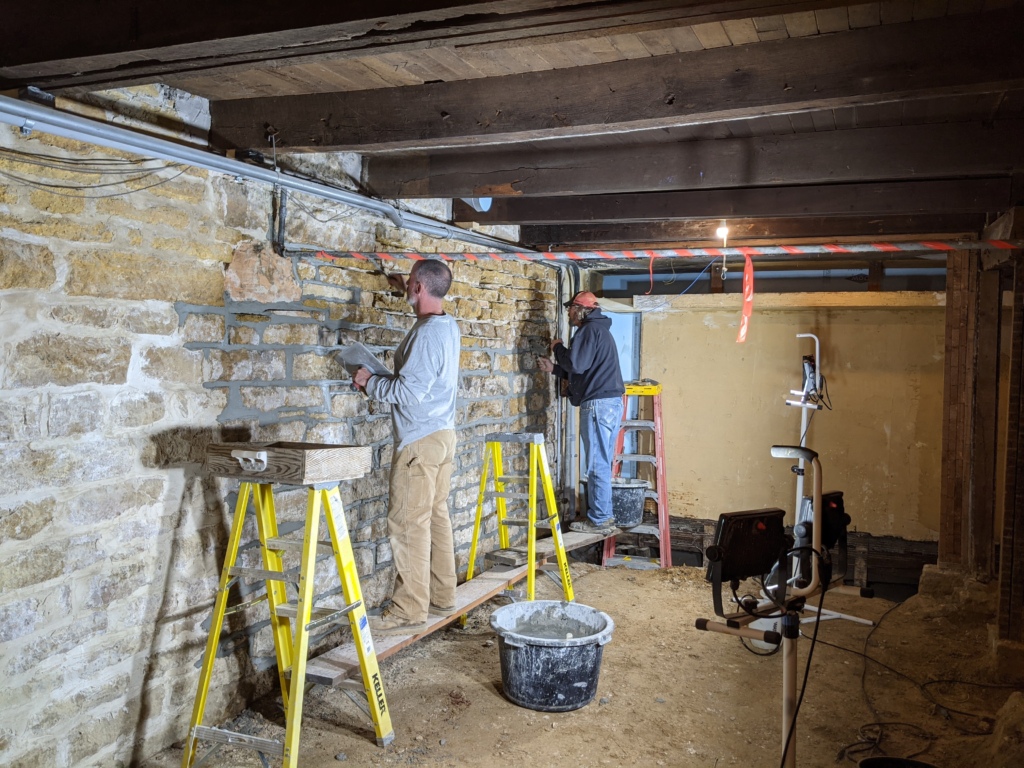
column 599, row 426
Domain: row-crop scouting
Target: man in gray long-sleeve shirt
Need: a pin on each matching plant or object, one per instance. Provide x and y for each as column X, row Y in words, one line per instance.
column 422, row 394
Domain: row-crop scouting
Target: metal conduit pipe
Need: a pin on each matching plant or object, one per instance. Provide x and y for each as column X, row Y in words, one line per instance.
column 30, row 117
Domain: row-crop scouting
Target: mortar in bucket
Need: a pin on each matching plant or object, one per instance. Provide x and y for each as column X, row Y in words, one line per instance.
column 551, row 653
column 627, row 500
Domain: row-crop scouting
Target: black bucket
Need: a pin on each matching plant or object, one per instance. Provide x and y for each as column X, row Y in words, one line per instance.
column 551, row 653
column 627, row 501
column 892, row 762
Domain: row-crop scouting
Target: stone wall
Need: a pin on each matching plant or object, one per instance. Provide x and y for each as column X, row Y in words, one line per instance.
column 137, row 328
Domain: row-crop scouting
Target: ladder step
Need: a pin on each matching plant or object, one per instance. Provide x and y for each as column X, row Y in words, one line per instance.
column 295, row 545
column 513, row 479
column 646, row 530
column 637, row 424
column 515, row 437
column 636, row 457
column 242, row 571
column 320, row 613
column 542, row 522
column 506, row 495
column 220, row 736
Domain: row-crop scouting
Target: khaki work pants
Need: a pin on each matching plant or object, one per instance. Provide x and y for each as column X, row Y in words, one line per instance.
column 419, row 526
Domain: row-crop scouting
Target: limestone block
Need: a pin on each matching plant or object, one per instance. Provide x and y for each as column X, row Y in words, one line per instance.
column 352, row 277
column 132, row 408
column 310, row 366
column 24, row 266
column 21, row 418
column 130, row 275
column 23, row 521
column 87, row 314
column 484, row 409
column 244, row 206
column 383, row 337
column 306, row 271
column 304, row 396
column 262, row 398
column 258, row 274
column 75, row 414
column 384, row 552
column 348, row 406
column 243, row 334
column 364, row 559
column 172, row 364
column 116, row 584
column 30, row 468
column 58, row 228
column 18, row 619
column 290, row 431
column 162, row 321
column 328, row 292
column 32, row 566
column 377, row 408
column 204, row 328
column 155, row 215
column 371, row 431
column 292, row 334
column 36, row 757
column 474, row 361
column 241, row 365
column 331, row 433
column 100, row 738
column 65, row 360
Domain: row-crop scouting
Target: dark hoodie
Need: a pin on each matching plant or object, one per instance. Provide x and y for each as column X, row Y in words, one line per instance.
column 591, row 362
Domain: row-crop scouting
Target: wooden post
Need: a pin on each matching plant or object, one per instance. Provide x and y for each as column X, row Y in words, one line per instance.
column 1011, row 554
column 958, row 396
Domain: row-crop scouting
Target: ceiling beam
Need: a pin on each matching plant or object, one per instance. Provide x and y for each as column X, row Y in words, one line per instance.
column 900, row 197
column 654, row 234
column 907, row 152
column 135, row 41
column 866, row 66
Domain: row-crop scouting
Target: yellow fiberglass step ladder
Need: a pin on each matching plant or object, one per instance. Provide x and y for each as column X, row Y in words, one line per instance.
column 537, row 462
column 291, row 643
column 653, row 424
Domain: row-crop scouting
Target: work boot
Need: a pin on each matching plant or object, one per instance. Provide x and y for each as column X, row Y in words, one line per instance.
column 437, row 610
column 390, row 624
column 585, row 526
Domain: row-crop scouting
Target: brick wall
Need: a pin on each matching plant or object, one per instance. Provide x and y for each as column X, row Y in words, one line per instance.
column 135, row 330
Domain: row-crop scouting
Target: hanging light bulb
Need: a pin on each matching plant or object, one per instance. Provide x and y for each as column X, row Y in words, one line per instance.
column 722, row 233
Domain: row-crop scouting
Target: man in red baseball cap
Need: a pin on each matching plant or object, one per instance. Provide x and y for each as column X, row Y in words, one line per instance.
column 591, row 365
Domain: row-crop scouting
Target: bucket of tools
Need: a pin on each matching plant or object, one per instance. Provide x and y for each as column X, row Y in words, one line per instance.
column 551, row 653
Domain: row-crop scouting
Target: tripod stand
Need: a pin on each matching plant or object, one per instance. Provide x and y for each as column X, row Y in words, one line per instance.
column 747, row 544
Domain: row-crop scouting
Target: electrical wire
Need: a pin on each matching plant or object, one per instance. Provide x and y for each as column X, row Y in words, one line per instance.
column 132, row 170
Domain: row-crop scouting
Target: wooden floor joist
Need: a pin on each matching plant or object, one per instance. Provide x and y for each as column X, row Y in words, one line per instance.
column 341, row 663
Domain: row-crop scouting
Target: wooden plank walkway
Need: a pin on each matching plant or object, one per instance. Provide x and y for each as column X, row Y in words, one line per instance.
column 339, row 664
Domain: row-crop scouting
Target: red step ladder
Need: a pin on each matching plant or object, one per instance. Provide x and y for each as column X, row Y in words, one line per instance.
column 644, row 389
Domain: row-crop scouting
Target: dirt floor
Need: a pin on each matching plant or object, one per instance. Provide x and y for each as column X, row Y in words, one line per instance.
column 669, row 695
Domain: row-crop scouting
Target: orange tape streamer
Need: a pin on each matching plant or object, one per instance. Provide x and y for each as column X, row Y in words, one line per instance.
column 748, row 299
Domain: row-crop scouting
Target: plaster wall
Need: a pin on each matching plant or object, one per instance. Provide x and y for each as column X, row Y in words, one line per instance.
column 724, row 408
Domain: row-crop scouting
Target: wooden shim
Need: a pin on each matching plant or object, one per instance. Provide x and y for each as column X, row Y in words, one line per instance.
column 1011, row 552
column 872, row 65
